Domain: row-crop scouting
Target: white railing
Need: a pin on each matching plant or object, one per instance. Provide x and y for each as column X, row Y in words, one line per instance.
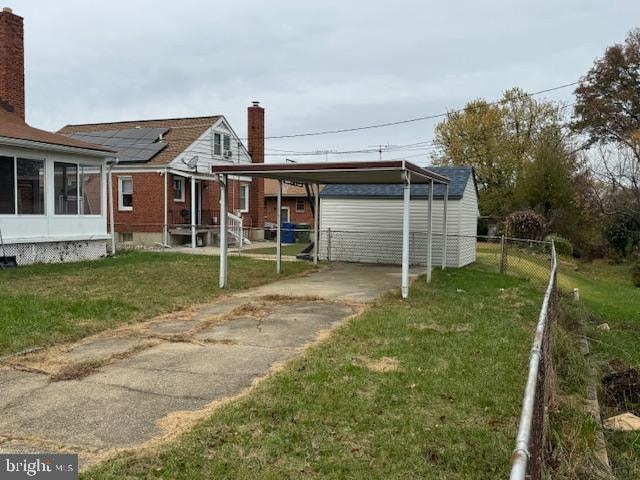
column 236, row 230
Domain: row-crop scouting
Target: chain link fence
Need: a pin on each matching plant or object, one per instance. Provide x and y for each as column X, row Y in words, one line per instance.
column 529, row 456
column 515, row 256
column 512, row 256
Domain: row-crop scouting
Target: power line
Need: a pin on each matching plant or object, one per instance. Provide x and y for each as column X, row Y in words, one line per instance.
column 411, row 120
column 208, row 142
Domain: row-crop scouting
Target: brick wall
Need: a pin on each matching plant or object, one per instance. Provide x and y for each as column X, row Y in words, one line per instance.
column 271, row 210
column 12, row 61
column 148, row 198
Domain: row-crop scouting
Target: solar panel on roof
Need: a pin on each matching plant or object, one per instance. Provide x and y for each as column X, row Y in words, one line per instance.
column 132, row 144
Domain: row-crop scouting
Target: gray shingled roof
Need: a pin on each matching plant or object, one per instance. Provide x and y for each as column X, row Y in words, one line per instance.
column 459, row 177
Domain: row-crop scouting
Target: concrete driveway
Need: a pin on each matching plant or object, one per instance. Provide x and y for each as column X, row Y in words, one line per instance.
column 151, row 381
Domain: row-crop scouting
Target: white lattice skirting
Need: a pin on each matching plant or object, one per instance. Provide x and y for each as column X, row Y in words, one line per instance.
column 56, row 252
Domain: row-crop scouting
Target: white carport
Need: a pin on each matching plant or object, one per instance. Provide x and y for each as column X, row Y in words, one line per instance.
column 381, row 172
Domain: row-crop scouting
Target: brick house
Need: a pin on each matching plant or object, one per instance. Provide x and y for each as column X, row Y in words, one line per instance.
column 162, row 190
column 53, row 202
column 295, row 203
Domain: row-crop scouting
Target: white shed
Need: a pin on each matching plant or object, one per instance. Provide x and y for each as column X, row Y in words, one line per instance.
column 363, row 223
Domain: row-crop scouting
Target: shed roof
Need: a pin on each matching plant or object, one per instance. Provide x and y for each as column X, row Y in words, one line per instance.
column 179, row 134
column 12, row 126
column 458, row 176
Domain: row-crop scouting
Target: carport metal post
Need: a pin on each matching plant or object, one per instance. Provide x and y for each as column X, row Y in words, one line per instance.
column 316, row 224
column 223, row 230
column 444, row 226
column 430, row 232
column 405, row 233
column 279, row 230
column 193, row 212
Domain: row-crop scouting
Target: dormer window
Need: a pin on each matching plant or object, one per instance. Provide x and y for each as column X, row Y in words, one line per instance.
column 217, row 144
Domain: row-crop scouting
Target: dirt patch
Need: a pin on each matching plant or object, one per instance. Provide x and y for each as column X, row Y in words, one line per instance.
column 622, row 390
column 384, row 364
column 76, row 371
column 436, row 327
column 286, row 298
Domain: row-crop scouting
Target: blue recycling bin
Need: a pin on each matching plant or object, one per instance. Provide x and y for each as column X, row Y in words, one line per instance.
column 288, row 233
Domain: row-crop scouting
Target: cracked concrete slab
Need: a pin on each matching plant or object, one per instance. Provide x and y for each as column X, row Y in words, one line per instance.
column 14, row 384
column 222, row 348
column 214, row 359
column 175, row 327
column 100, row 348
column 339, row 281
column 288, row 325
column 93, row 415
column 195, row 386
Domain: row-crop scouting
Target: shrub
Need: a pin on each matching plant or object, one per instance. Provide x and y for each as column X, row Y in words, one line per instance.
column 525, row 224
column 635, row 275
column 563, row 246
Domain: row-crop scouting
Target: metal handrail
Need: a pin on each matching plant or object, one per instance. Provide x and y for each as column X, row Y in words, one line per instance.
column 520, row 457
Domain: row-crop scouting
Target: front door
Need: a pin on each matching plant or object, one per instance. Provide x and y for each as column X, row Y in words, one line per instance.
column 285, row 215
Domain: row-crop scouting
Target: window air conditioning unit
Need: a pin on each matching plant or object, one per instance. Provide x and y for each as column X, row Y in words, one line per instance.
column 228, row 154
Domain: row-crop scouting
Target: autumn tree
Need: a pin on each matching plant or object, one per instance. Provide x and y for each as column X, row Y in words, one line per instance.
column 498, row 140
column 475, row 136
column 607, row 113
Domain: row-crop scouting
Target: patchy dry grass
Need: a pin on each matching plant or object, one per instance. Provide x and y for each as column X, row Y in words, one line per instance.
column 42, row 305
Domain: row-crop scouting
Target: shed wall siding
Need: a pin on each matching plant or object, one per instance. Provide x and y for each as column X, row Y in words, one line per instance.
column 370, row 230
column 468, row 220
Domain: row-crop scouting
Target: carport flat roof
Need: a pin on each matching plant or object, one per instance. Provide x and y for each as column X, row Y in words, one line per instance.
column 376, row 172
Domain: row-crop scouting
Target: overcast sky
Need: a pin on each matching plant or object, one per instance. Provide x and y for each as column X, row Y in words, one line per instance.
column 313, row 65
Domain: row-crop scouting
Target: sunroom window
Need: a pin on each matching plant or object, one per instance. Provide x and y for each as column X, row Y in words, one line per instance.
column 90, row 189
column 30, row 183
column 7, row 185
column 65, row 183
column 22, row 186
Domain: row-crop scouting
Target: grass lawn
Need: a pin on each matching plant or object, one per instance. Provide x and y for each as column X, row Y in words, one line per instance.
column 47, row 304
column 425, row 388
column 288, row 249
column 608, row 292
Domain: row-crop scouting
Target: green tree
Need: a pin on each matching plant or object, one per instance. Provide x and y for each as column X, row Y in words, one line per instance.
column 547, row 181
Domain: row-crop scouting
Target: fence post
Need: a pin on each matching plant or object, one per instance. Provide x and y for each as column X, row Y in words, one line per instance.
column 328, row 244
column 503, row 253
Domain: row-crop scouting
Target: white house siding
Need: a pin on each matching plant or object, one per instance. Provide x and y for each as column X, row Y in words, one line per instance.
column 50, row 237
column 203, row 149
column 370, row 230
column 468, row 224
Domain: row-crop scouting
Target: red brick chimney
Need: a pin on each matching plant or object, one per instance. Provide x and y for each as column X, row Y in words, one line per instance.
column 255, row 127
column 12, row 61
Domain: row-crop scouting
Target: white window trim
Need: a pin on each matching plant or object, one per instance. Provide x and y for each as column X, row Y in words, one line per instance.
column 121, row 207
column 304, row 204
column 182, row 181
column 245, row 208
column 213, row 151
